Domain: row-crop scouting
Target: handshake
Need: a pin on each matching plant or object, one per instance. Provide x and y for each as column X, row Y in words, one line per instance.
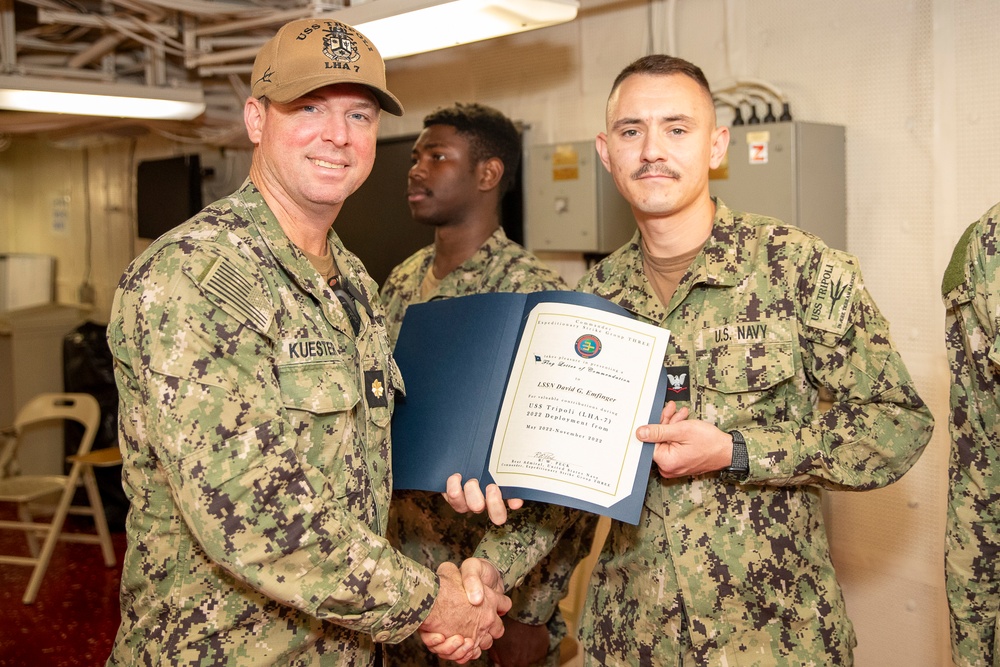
column 465, row 618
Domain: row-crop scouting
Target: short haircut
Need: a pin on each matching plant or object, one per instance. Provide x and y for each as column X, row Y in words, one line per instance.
column 489, row 132
column 663, row 65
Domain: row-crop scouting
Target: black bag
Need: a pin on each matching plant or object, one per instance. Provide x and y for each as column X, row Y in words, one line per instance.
column 88, row 369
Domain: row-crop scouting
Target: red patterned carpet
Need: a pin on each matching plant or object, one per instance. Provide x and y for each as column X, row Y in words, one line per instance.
column 75, row 617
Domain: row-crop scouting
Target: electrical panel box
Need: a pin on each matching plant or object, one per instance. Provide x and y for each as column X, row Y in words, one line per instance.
column 792, row 171
column 26, row 280
column 571, row 203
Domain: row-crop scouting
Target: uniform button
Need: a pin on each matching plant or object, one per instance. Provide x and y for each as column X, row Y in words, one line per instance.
column 382, row 636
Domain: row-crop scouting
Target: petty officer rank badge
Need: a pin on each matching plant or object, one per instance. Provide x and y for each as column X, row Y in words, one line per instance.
column 678, row 383
column 376, row 393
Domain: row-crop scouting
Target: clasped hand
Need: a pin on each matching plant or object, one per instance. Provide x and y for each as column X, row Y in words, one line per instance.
column 465, row 618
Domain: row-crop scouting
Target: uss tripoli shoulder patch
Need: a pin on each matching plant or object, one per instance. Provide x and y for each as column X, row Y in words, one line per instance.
column 831, row 301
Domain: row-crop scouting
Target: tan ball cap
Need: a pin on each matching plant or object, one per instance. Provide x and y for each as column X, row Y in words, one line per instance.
column 311, row 53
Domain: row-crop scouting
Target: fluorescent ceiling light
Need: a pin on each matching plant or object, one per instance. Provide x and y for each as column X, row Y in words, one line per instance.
column 404, row 27
column 25, row 93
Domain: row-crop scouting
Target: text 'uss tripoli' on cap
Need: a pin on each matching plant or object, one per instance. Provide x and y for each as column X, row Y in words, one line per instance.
column 311, row 53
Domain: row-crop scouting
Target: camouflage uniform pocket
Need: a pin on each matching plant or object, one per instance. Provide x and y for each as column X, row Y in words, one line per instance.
column 738, row 373
column 320, row 388
column 320, row 400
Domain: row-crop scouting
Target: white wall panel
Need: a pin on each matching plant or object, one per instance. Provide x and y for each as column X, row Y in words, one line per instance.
column 977, row 101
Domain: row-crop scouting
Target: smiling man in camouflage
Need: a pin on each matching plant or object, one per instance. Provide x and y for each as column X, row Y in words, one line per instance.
column 729, row 564
column 256, row 392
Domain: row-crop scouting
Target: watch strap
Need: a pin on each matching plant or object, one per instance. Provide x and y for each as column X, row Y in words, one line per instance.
column 739, row 469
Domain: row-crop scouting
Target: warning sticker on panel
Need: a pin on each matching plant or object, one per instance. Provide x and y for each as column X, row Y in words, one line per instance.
column 565, row 163
column 757, row 145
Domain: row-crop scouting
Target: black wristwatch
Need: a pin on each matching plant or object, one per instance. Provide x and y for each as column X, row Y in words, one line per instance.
column 739, row 469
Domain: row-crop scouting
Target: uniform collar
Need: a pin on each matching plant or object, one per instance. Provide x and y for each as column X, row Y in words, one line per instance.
column 294, row 262
column 482, row 257
column 723, row 261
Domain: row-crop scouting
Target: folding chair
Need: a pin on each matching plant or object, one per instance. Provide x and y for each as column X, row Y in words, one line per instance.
column 28, row 491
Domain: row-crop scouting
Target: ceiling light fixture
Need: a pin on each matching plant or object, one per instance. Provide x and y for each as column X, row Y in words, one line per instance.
column 405, row 27
column 116, row 100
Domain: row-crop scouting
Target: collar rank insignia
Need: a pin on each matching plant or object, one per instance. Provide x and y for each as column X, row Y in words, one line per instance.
column 375, row 392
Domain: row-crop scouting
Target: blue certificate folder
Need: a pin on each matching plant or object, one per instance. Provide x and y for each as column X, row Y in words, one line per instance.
column 456, row 356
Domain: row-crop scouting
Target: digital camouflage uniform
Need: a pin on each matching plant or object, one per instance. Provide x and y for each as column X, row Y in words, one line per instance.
column 500, row 265
column 255, row 432
column 720, row 573
column 423, row 525
column 971, row 290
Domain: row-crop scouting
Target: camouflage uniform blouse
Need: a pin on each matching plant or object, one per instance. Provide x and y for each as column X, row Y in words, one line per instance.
column 971, row 289
column 721, row 573
column 255, row 432
column 424, row 526
column 500, row 265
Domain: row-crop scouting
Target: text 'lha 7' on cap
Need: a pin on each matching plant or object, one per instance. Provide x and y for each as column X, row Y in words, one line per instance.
column 311, row 53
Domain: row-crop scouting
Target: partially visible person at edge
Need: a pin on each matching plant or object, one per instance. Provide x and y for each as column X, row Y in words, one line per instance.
column 464, row 161
column 971, row 289
column 257, row 388
column 729, row 564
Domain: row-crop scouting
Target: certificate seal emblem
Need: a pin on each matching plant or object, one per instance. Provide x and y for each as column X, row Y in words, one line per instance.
column 588, row 346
